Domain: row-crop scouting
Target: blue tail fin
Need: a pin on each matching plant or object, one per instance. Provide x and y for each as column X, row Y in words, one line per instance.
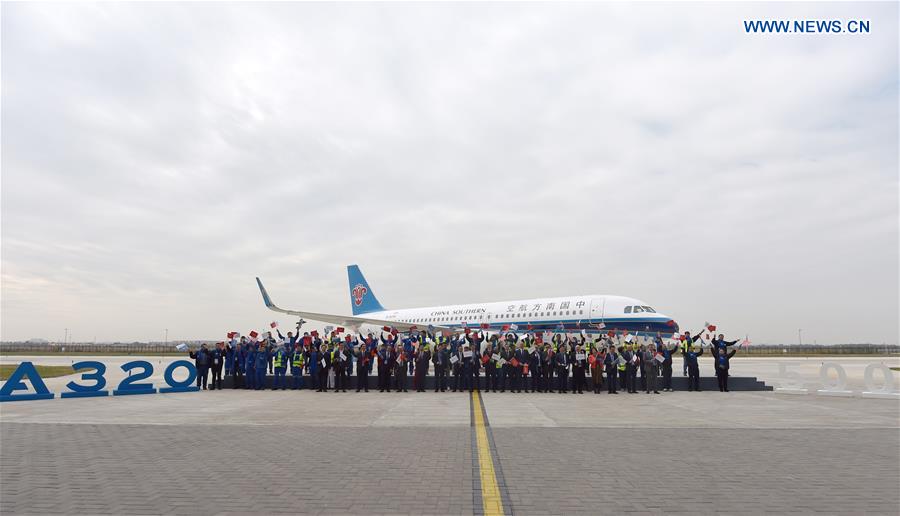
column 362, row 299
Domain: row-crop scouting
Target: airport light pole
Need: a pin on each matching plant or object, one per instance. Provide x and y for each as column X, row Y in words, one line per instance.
column 800, row 335
column 167, row 338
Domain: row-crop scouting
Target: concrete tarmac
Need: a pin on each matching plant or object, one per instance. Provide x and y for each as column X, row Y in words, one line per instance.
column 264, row 452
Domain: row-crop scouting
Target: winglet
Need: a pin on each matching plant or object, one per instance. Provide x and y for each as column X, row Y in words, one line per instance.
column 265, row 295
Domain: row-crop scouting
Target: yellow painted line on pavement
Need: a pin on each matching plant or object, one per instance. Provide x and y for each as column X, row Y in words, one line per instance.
column 490, row 491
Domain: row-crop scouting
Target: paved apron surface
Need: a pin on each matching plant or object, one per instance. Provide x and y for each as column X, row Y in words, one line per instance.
column 449, row 453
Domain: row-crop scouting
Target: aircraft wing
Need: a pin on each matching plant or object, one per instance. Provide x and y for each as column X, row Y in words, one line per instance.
column 340, row 320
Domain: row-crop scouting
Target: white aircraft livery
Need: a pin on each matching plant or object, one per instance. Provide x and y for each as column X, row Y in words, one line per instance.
column 591, row 313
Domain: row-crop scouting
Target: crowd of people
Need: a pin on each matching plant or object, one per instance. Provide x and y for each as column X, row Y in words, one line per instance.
column 562, row 363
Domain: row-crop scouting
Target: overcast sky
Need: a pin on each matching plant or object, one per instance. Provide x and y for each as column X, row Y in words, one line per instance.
column 156, row 157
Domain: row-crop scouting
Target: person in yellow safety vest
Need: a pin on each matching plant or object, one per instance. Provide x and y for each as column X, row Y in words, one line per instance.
column 297, row 362
column 622, row 366
column 279, row 360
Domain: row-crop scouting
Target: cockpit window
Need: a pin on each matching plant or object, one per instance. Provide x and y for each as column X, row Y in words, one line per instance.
column 648, row 309
column 638, row 309
column 627, row 309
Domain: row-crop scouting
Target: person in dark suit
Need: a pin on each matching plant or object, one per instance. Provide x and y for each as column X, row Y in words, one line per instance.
column 505, row 370
column 423, row 356
column 561, row 359
column 324, row 367
column 666, row 366
column 579, row 362
column 400, row 365
column 217, row 354
column 630, row 369
column 441, row 361
column 611, row 364
column 456, row 368
column 521, row 357
column 363, row 355
column 385, row 359
column 340, row 361
column 490, row 368
column 534, row 365
column 467, row 357
column 651, row 369
column 547, row 366
column 722, row 359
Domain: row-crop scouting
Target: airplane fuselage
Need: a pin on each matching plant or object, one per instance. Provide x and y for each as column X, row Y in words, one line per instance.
column 572, row 314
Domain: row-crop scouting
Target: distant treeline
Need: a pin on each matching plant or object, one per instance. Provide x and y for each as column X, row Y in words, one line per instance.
column 140, row 348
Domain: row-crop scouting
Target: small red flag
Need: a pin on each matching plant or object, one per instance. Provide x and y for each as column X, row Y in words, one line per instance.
column 711, row 327
column 273, row 324
column 385, row 328
column 611, row 333
column 505, row 327
column 339, row 330
column 253, row 334
column 530, row 327
column 485, row 326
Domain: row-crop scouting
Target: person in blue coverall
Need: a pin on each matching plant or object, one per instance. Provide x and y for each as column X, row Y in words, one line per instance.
column 262, row 360
column 250, row 365
column 238, row 355
column 693, row 367
column 313, row 364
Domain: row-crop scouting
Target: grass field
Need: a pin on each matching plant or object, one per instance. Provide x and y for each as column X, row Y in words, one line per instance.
column 43, row 370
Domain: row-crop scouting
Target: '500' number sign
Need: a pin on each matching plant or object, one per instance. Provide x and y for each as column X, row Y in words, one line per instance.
column 93, row 381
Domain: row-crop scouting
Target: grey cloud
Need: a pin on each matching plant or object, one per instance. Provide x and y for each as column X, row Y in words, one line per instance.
column 157, row 157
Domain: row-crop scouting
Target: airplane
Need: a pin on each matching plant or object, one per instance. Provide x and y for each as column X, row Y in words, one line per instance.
column 589, row 313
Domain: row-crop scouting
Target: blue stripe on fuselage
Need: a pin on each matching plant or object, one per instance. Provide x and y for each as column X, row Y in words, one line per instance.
column 633, row 325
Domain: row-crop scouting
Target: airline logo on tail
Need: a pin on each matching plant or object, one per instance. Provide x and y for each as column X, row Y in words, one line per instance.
column 359, row 292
